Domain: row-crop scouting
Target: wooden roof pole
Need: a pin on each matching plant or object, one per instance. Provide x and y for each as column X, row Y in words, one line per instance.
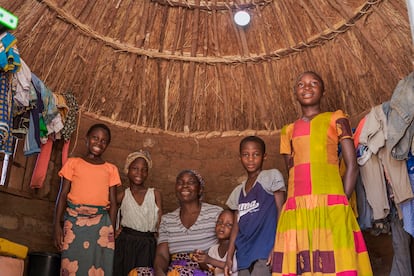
column 191, row 70
column 163, row 92
column 410, row 9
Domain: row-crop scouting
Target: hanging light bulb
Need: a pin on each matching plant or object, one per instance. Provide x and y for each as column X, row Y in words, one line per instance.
column 242, row 18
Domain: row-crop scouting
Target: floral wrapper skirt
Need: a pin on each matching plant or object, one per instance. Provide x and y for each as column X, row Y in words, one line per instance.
column 183, row 265
column 88, row 241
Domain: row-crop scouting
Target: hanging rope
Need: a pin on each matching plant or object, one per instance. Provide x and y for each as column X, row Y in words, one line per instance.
column 317, row 40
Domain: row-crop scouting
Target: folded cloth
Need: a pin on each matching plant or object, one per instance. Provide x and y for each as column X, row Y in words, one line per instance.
column 23, row 84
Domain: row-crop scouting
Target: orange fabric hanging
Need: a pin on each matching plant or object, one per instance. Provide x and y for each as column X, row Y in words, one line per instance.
column 42, row 163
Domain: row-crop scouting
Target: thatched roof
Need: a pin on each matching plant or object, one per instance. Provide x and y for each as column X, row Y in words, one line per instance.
column 183, row 65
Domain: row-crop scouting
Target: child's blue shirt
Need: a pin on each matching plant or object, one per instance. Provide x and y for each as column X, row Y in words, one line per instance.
column 257, row 217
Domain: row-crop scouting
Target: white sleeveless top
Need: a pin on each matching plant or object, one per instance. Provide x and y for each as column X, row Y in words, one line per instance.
column 143, row 217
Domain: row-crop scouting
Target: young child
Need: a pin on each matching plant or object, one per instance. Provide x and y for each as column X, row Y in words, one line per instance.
column 258, row 201
column 317, row 231
column 140, row 216
column 88, row 193
column 215, row 259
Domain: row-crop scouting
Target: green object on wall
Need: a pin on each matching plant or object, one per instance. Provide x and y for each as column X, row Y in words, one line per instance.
column 7, row 19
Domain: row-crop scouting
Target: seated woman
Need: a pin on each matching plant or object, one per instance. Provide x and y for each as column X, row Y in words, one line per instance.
column 189, row 228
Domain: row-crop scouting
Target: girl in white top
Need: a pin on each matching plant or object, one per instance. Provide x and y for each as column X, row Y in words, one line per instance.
column 140, row 214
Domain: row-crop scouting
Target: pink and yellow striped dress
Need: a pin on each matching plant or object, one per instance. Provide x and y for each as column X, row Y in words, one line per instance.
column 317, row 232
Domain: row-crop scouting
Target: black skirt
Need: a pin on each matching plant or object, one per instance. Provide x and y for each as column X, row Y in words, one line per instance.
column 133, row 249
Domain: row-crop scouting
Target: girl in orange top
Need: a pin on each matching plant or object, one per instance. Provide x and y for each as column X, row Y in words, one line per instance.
column 317, row 232
column 88, row 193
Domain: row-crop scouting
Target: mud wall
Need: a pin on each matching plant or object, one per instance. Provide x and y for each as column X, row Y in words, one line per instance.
column 26, row 214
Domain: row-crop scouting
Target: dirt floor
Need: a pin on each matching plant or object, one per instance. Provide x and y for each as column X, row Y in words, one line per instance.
column 381, row 253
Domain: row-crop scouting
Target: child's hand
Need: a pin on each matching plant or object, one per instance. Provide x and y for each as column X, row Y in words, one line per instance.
column 117, row 232
column 58, row 239
column 227, row 267
column 200, row 256
column 270, row 259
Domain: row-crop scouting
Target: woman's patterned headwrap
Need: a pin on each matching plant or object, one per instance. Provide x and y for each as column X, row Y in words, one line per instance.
column 138, row 154
column 196, row 174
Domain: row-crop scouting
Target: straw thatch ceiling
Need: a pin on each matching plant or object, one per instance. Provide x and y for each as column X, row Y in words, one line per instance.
column 184, row 66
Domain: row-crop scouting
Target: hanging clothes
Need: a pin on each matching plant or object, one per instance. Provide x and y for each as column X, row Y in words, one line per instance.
column 407, row 207
column 400, row 118
column 70, row 120
column 9, row 54
column 42, row 163
column 32, row 140
column 70, row 123
column 371, row 138
column 6, row 118
column 365, row 217
column 23, row 80
column 50, row 110
column 31, row 145
column 374, row 135
column 61, row 105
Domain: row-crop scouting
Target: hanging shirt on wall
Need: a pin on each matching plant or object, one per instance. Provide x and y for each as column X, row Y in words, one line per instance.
column 407, row 207
column 6, row 119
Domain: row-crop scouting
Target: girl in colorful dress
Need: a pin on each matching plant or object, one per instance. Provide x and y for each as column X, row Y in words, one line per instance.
column 317, row 233
column 88, row 193
column 140, row 216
